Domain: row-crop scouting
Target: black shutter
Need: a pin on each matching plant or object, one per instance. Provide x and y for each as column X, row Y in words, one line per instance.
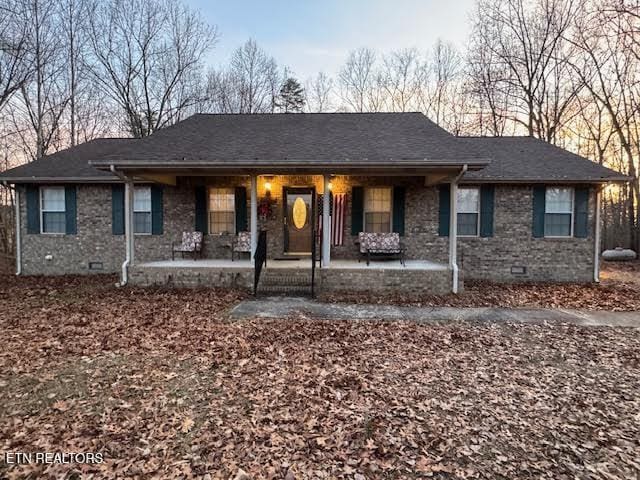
column 157, row 219
column 487, row 193
column 33, row 209
column 581, row 213
column 117, row 209
column 399, row 194
column 357, row 209
column 538, row 210
column 201, row 210
column 444, row 210
column 70, row 209
column 241, row 209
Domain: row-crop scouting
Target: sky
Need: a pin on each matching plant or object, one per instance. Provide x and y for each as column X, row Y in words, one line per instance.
column 309, row 36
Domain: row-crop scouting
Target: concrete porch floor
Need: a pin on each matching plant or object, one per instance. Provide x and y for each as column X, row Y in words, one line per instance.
column 302, row 264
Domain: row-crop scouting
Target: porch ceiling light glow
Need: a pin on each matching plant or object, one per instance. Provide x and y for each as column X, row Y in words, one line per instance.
column 267, row 186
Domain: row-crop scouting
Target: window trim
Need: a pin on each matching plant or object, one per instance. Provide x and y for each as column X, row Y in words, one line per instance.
column 150, row 211
column 477, row 212
column 43, row 211
column 364, row 206
column 233, row 195
column 571, row 213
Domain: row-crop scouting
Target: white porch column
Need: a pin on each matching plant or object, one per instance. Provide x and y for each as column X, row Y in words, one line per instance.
column 254, row 215
column 453, row 234
column 326, row 222
column 128, row 222
column 596, row 240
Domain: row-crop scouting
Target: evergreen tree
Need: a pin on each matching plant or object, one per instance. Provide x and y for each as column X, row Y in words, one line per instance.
column 291, row 96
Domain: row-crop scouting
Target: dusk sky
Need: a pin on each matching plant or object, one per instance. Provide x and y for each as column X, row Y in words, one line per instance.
column 310, row 36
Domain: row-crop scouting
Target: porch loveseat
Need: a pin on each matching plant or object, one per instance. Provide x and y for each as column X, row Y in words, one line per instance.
column 385, row 245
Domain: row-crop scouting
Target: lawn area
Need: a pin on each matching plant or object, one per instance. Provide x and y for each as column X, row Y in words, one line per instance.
column 165, row 386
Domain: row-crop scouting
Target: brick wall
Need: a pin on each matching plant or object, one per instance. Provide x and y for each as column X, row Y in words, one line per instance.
column 481, row 258
column 513, row 245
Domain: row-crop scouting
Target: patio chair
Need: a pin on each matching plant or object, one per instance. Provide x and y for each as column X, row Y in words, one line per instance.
column 241, row 244
column 191, row 243
column 381, row 245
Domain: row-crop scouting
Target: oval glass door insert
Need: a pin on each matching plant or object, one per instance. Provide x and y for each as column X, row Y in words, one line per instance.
column 299, row 213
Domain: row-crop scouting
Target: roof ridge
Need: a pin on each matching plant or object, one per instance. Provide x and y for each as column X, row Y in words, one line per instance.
column 302, row 113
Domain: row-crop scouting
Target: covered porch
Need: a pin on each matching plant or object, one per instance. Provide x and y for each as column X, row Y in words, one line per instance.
column 295, row 229
column 292, row 277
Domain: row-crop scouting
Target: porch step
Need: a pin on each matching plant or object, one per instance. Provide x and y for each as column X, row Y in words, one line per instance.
column 281, row 281
column 284, row 290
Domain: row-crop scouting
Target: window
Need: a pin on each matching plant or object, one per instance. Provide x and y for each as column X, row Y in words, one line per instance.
column 468, row 211
column 222, row 212
column 558, row 213
column 142, row 210
column 377, row 210
column 52, row 206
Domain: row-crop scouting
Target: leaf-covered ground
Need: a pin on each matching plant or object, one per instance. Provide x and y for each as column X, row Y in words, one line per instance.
column 165, row 387
column 619, row 290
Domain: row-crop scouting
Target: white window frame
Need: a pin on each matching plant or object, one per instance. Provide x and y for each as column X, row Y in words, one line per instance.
column 231, row 191
column 138, row 189
column 571, row 213
column 477, row 212
column 43, row 211
column 367, row 191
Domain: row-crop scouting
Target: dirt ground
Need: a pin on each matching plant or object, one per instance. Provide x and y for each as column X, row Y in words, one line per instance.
column 164, row 386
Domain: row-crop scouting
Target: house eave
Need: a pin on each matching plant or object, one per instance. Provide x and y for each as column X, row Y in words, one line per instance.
column 51, row 180
column 547, row 181
column 257, row 167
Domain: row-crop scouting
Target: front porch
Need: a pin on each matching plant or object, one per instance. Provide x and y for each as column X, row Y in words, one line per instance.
column 290, row 209
column 294, row 276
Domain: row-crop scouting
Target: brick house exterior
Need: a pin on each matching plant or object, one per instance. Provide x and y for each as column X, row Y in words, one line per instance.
column 505, row 248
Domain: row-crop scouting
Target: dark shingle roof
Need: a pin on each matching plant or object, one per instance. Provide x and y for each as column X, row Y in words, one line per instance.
column 375, row 139
column 70, row 163
column 528, row 159
column 361, row 139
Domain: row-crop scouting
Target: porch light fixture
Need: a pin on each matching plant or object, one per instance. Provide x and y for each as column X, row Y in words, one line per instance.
column 267, row 184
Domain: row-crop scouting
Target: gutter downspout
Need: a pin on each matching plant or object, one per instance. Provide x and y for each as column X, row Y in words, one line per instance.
column 596, row 249
column 124, row 277
column 18, row 228
column 453, row 229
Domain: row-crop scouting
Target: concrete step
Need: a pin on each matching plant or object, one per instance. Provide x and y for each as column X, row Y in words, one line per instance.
column 285, row 280
column 284, row 290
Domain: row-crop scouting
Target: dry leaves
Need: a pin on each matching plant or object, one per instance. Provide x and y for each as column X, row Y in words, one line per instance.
column 618, row 291
column 165, row 386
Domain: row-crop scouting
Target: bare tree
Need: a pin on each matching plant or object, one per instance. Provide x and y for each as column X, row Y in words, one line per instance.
column 319, row 93
column 610, row 72
column 74, row 15
column 15, row 63
column 357, row 80
column 524, row 43
column 45, row 97
column 443, row 71
column 146, row 55
column 254, row 77
column 402, row 79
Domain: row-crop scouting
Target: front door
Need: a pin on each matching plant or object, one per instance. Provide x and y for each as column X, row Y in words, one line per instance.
column 298, row 219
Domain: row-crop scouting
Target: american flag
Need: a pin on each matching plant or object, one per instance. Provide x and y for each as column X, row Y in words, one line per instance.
column 338, row 205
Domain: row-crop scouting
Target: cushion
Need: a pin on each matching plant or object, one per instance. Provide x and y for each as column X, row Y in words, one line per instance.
column 191, row 242
column 243, row 242
column 379, row 242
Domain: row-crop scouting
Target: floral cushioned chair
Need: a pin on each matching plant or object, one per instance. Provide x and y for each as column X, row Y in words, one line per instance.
column 381, row 244
column 241, row 244
column 191, row 243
